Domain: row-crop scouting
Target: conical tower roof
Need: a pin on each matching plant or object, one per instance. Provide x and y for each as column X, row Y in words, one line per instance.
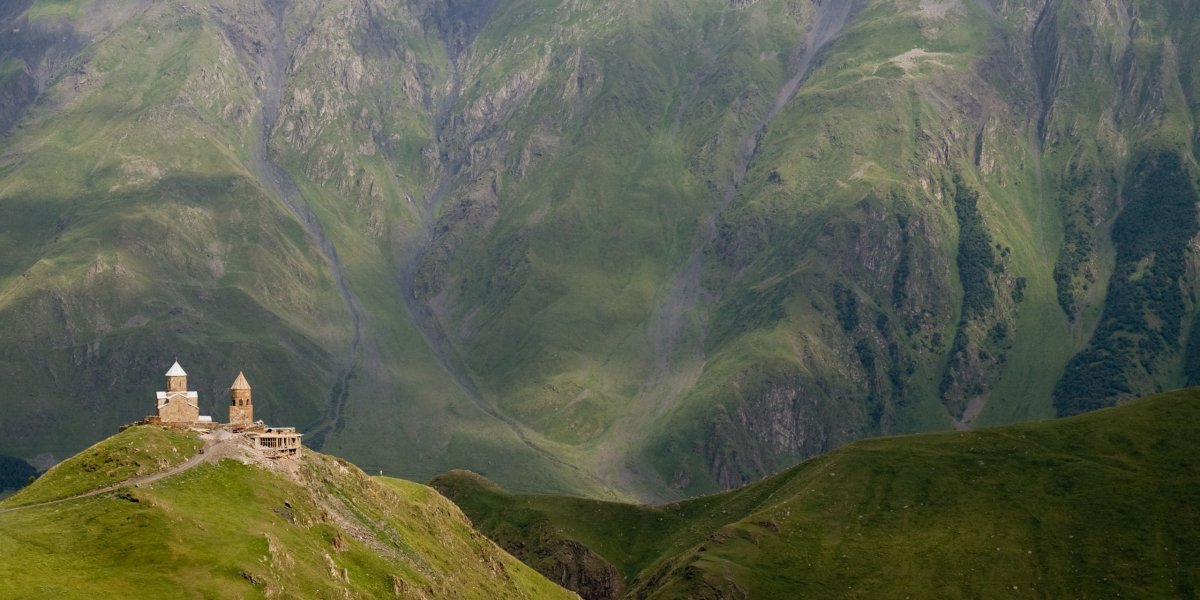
column 176, row 371
column 240, row 383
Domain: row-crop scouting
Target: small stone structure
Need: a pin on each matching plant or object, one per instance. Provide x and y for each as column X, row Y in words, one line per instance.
column 180, row 407
column 277, row 442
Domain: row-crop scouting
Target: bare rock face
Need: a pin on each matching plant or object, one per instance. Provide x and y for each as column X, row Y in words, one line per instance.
column 579, row 569
column 34, row 55
column 15, row 95
column 773, row 420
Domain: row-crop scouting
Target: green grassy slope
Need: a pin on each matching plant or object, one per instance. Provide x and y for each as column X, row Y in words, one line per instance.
column 234, row 530
column 136, row 452
column 1092, row 506
column 137, row 233
column 144, row 221
column 903, row 252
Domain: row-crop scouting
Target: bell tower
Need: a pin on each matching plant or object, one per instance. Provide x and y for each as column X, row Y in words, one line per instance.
column 176, row 379
column 241, row 409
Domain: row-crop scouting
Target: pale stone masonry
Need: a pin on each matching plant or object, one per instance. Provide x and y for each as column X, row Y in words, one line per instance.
column 179, row 407
column 241, row 409
column 177, row 404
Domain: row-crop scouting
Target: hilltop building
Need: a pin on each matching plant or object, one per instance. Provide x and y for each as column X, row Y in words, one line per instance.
column 241, row 409
column 177, row 404
column 180, row 407
column 273, row 442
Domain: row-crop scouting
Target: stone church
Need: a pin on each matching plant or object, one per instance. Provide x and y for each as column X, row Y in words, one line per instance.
column 177, row 404
column 180, row 407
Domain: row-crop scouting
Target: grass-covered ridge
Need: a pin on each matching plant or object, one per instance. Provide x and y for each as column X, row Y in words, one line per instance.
column 1098, row 505
column 137, row 451
column 228, row 529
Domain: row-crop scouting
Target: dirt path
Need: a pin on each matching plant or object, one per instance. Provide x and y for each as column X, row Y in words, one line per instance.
column 211, row 452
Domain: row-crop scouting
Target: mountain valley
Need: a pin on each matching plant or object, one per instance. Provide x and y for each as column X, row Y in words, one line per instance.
column 623, row 250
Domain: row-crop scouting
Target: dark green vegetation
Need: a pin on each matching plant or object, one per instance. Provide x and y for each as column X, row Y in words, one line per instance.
column 1144, row 313
column 975, row 259
column 232, row 530
column 605, row 247
column 15, row 473
column 542, row 531
column 1099, row 505
column 981, row 338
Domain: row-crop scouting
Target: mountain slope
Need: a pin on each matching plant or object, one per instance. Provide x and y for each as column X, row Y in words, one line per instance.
column 837, row 220
column 226, row 528
column 182, row 203
column 614, row 248
column 1096, row 505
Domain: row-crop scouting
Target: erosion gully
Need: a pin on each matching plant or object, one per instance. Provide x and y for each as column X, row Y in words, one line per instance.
column 676, row 370
column 451, row 166
column 272, row 65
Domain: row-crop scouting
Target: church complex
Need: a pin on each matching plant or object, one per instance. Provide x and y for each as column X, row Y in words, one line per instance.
column 180, row 407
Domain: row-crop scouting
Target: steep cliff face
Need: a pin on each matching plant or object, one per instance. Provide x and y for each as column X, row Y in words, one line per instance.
column 652, row 248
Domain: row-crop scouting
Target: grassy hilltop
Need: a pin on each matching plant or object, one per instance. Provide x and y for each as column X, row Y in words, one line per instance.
column 232, row 530
column 1101, row 505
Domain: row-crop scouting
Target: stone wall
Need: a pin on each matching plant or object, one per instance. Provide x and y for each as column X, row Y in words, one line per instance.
column 178, row 410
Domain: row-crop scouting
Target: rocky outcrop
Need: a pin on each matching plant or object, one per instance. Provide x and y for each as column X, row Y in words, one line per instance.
column 573, row 566
column 17, row 91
